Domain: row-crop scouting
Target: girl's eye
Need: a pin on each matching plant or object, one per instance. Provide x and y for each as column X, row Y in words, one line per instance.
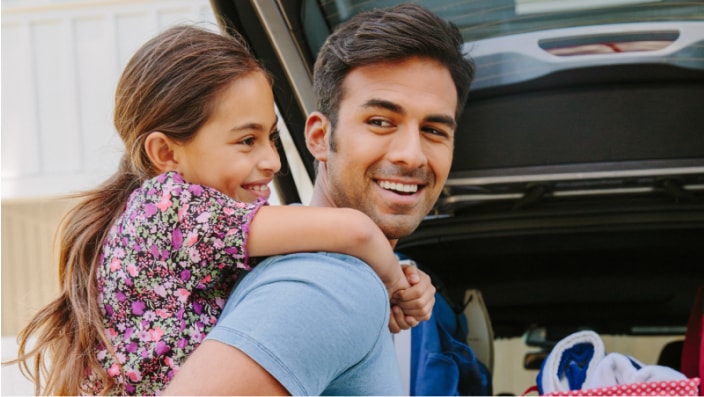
column 249, row 141
column 275, row 135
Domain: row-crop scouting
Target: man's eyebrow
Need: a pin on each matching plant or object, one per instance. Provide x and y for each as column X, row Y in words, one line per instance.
column 442, row 119
column 382, row 103
column 433, row 118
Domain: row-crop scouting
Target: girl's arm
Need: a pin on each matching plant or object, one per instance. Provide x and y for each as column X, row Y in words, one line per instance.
column 287, row 229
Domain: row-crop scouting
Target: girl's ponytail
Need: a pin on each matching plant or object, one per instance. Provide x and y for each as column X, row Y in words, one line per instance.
column 65, row 332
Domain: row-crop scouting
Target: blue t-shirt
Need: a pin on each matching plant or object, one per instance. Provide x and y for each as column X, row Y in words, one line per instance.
column 317, row 322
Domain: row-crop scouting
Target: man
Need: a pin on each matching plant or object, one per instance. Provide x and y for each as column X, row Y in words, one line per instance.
column 390, row 86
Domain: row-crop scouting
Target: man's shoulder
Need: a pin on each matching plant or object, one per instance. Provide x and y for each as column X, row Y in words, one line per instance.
column 316, row 268
column 332, row 283
column 320, row 257
column 312, row 263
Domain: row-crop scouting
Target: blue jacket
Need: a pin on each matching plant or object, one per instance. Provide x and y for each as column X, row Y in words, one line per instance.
column 442, row 364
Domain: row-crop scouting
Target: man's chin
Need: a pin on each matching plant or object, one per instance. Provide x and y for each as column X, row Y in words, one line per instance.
column 396, row 227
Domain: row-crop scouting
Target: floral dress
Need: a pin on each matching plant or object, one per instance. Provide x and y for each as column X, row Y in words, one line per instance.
column 168, row 265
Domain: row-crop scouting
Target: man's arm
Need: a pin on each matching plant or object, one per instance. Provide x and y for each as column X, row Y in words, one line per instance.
column 219, row 364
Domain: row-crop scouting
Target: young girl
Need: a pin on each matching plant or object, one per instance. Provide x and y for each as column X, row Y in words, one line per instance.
column 148, row 259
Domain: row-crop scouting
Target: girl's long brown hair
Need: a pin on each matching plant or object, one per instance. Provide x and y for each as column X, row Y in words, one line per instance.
column 169, row 85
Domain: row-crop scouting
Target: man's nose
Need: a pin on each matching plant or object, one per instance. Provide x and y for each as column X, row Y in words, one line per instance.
column 407, row 148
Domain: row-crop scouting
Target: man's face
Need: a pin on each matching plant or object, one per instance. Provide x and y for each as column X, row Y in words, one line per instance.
column 393, row 142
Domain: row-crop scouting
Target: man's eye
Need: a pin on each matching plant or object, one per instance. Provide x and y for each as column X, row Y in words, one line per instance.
column 380, row 123
column 436, row 132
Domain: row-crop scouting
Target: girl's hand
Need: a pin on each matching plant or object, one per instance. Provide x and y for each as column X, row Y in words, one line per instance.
column 412, row 305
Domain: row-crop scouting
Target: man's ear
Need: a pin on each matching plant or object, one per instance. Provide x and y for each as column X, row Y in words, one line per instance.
column 160, row 150
column 318, row 135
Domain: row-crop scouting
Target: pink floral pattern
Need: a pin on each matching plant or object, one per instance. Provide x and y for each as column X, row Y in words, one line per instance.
column 168, row 265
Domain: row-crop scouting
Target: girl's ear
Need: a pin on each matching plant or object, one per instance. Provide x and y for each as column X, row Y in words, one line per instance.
column 160, row 150
column 318, row 135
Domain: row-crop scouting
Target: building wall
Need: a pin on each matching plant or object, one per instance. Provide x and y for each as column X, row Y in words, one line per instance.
column 60, row 64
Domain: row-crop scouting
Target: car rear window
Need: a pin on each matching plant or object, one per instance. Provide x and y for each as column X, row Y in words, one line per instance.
column 482, row 19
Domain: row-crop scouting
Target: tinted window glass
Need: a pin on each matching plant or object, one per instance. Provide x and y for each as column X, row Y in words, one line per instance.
column 556, row 88
column 480, row 19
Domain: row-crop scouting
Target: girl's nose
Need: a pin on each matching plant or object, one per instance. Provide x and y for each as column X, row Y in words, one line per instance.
column 270, row 160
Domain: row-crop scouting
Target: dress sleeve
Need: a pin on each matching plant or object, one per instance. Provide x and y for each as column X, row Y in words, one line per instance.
column 210, row 238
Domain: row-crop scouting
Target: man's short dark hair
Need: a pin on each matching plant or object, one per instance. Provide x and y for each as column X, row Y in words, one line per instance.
column 389, row 34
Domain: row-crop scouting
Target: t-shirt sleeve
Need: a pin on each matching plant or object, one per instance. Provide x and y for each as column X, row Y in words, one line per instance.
column 306, row 318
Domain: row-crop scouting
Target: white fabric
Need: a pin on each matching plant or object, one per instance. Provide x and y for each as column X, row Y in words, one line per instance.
column 619, row 369
column 402, row 344
column 602, row 370
column 551, row 383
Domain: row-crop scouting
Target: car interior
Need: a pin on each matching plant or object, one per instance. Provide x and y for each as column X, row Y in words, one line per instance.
column 576, row 196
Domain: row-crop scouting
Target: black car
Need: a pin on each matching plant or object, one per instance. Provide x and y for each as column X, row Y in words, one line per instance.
column 576, row 197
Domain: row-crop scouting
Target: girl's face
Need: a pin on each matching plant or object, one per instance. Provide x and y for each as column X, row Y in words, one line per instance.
column 234, row 151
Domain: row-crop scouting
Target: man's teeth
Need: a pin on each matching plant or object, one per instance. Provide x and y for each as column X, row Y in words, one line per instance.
column 399, row 187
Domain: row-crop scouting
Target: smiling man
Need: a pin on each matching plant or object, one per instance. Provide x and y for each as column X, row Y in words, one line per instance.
column 391, row 149
column 390, row 84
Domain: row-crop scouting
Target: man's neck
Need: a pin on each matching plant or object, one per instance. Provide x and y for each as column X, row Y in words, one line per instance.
column 321, row 187
column 321, row 198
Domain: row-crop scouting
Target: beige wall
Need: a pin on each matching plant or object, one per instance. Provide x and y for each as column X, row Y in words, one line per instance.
column 29, row 273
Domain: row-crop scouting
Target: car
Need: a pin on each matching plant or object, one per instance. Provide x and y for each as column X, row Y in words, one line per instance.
column 576, row 196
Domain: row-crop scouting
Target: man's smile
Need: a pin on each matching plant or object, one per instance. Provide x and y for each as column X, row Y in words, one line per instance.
column 399, row 187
